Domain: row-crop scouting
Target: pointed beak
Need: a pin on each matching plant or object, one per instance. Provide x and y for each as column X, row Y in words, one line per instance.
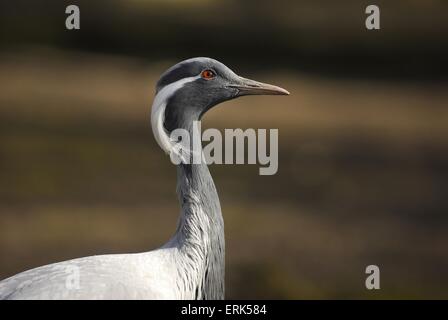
column 251, row 87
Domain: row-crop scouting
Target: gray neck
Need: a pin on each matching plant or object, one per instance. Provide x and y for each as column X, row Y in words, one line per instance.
column 200, row 232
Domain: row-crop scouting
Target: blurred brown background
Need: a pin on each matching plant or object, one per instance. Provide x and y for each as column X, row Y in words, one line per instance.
column 363, row 163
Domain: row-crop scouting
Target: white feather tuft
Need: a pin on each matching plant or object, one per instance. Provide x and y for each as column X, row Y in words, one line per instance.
column 158, row 116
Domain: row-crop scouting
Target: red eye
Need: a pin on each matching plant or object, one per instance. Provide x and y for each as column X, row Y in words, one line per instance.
column 207, row 74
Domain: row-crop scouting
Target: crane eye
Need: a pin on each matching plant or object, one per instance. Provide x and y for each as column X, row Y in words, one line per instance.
column 208, row 74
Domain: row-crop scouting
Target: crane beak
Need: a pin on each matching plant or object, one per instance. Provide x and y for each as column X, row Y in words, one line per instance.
column 251, row 87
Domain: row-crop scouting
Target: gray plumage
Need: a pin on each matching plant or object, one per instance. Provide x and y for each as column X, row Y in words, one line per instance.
column 191, row 264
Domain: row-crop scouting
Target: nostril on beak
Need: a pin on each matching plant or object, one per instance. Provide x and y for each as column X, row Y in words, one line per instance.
column 252, row 87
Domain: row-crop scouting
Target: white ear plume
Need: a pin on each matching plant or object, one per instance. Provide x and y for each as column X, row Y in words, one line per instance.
column 158, row 115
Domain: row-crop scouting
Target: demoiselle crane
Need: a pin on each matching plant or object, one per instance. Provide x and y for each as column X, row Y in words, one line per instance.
column 191, row 264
